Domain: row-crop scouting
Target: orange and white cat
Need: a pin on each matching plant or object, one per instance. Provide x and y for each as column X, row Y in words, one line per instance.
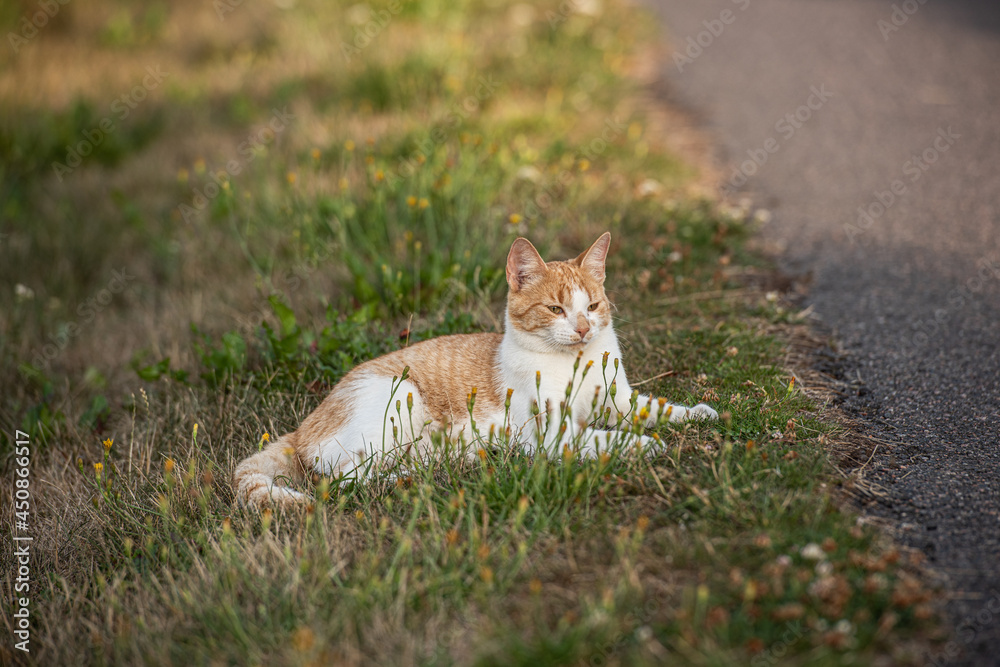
column 558, row 324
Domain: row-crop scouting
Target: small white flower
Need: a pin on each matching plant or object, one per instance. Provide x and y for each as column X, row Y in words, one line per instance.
column 522, row 14
column 812, row 551
column 23, row 292
column 529, row 173
column 734, row 213
column 648, row 188
column 589, row 7
column 358, row 14
column 844, row 627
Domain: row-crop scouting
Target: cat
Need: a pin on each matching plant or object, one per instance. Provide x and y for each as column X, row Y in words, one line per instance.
column 557, row 330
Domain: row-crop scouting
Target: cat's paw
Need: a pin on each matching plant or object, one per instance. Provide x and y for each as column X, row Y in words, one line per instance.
column 702, row 412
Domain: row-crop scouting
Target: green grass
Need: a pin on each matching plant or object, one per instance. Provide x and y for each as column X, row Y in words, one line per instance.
column 379, row 217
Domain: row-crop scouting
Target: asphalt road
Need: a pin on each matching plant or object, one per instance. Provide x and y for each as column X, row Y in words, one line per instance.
column 820, row 107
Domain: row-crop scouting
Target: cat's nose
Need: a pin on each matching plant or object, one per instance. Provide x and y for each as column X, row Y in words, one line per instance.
column 582, row 330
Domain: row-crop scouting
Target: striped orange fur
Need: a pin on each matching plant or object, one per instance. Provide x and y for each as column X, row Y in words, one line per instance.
column 557, row 315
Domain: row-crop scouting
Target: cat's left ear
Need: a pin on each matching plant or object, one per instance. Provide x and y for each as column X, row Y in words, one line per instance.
column 593, row 259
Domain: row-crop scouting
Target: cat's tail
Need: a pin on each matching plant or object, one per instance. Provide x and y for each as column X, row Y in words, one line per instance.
column 260, row 479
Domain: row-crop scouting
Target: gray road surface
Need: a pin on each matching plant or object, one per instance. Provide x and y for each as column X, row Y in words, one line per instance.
column 872, row 129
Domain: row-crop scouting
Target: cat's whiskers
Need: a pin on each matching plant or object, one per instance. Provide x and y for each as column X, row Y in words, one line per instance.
column 557, row 327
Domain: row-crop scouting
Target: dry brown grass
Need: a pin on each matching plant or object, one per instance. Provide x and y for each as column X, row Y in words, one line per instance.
column 676, row 558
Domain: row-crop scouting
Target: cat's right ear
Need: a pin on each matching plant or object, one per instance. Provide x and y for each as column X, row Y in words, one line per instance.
column 524, row 264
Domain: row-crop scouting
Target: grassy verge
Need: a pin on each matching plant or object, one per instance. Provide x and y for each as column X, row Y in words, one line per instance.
column 307, row 188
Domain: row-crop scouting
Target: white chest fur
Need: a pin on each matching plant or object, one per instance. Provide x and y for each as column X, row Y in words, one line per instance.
column 544, row 376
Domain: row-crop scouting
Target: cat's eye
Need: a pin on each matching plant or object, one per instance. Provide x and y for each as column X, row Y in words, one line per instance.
column 594, row 306
column 556, row 309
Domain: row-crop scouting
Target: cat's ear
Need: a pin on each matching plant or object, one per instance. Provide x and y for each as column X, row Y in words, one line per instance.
column 524, row 264
column 593, row 259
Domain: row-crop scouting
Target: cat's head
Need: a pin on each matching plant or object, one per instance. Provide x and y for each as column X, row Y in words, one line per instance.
column 557, row 306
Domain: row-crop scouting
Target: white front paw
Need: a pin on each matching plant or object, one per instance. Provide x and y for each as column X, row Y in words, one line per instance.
column 701, row 411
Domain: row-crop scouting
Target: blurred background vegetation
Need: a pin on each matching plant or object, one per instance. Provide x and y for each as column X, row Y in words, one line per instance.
column 210, row 211
column 414, row 140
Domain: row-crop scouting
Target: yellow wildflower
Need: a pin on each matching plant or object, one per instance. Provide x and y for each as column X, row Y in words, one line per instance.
column 315, row 154
column 108, row 443
column 515, row 218
column 411, row 201
column 168, row 465
column 290, row 177
column 303, row 639
column 423, row 203
column 349, row 146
